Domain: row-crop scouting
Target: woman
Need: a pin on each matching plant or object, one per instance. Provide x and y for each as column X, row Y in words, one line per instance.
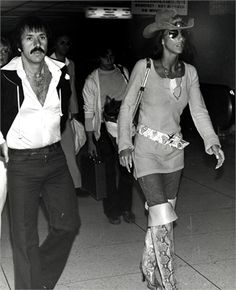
column 158, row 151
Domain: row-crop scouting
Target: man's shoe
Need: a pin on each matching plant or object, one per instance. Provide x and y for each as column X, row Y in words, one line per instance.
column 128, row 217
column 114, row 220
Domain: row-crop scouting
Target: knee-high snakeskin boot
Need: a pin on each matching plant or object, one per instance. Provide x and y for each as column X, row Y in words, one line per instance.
column 158, row 248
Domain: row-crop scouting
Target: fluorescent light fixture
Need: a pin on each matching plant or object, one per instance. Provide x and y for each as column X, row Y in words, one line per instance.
column 108, row 12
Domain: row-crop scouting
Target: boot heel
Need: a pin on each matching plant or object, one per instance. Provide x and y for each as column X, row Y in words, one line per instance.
column 155, row 286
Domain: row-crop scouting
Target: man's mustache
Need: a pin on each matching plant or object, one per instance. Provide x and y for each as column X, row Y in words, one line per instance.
column 37, row 49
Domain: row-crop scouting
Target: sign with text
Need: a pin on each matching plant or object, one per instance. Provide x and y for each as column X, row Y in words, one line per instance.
column 149, row 7
column 108, row 12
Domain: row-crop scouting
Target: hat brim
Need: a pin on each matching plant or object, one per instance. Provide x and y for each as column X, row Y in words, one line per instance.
column 150, row 30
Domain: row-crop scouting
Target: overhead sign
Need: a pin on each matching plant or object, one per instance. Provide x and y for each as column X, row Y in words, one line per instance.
column 108, row 12
column 149, row 7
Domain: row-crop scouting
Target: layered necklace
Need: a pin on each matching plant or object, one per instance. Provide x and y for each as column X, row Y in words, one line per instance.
column 37, row 79
column 176, row 88
column 39, row 82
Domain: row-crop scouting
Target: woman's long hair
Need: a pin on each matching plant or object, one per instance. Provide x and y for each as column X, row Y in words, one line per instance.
column 187, row 55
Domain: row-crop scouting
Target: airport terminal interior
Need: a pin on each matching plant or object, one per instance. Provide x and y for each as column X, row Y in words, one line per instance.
column 105, row 256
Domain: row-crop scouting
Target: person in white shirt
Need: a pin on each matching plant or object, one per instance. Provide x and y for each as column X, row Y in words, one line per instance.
column 35, row 92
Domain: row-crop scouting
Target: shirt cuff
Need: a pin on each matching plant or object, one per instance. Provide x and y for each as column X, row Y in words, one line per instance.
column 88, row 124
column 209, row 143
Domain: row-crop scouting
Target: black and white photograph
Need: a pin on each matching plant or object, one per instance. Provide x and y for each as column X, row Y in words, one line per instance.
column 117, row 145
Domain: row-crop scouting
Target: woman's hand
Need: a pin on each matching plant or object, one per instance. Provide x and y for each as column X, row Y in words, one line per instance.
column 219, row 154
column 4, row 150
column 126, row 158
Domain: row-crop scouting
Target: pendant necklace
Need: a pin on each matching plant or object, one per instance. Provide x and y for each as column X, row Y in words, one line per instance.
column 166, row 70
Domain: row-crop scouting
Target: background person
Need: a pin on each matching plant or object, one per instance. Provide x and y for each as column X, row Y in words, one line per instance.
column 5, row 51
column 3, row 177
column 107, row 80
column 5, row 55
column 35, row 92
column 61, row 49
column 157, row 153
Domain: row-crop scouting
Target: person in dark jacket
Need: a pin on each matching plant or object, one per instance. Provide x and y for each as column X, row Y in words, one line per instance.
column 35, row 92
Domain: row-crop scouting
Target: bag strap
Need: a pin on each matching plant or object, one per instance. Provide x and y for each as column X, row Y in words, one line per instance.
column 142, row 88
column 121, row 68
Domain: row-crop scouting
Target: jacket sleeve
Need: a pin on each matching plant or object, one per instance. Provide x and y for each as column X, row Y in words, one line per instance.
column 1, row 138
column 200, row 114
column 89, row 95
column 73, row 100
column 125, row 118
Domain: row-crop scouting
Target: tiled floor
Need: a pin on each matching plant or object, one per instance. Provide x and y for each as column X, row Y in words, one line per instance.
column 106, row 257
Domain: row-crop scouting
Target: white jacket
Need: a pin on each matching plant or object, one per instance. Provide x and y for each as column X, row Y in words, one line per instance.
column 92, row 102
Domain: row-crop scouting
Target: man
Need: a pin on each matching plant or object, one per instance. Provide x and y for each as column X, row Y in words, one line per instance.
column 107, row 80
column 35, row 92
column 61, row 49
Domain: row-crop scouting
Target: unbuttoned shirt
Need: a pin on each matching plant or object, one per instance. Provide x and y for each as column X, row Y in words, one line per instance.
column 36, row 126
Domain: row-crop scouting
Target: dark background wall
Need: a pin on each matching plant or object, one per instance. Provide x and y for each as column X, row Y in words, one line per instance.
column 213, row 37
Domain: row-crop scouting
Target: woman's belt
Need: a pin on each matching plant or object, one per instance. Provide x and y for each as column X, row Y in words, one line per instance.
column 173, row 140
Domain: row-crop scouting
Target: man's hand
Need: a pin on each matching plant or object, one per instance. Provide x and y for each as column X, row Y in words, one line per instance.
column 4, row 150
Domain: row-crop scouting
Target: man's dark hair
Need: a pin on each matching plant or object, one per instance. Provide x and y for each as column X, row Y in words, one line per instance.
column 33, row 24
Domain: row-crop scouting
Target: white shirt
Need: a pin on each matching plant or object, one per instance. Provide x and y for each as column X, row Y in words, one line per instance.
column 35, row 125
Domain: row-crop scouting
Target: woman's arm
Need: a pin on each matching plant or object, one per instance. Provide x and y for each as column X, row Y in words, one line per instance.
column 125, row 118
column 202, row 119
column 89, row 96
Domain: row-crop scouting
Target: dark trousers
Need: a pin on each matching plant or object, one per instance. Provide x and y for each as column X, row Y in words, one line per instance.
column 31, row 174
column 118, row 180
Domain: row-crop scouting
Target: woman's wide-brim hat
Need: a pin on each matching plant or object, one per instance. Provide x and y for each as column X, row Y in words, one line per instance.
column 166, row 20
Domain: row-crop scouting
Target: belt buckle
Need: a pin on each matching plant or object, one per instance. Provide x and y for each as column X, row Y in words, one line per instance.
column 178, row 142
